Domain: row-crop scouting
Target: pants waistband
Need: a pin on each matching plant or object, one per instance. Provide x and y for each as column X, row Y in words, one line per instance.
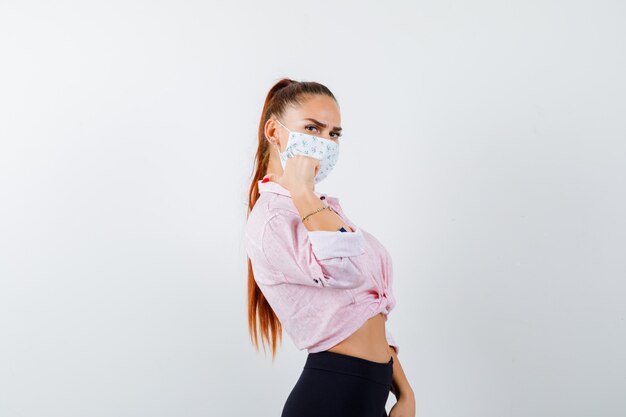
column 352, row 365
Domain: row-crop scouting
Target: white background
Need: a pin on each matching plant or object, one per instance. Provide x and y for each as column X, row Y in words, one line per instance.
column 484, row 146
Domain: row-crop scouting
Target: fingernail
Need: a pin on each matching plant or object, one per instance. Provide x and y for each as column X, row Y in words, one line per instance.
column 265, row 179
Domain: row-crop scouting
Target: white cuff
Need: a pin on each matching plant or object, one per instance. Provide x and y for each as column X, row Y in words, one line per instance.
column 328, row 244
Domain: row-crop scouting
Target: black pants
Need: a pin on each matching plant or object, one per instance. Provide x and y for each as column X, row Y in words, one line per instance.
column 337, row 385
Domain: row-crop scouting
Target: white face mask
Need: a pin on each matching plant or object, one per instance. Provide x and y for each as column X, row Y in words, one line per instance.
column 299, row 143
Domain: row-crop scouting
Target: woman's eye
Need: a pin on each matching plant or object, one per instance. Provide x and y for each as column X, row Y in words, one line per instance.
column 337, row 134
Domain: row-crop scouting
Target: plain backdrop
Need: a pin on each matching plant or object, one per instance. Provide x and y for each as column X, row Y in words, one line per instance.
column 484, row 146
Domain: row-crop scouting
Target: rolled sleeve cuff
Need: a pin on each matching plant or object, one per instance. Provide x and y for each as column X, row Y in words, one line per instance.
column 328, row 244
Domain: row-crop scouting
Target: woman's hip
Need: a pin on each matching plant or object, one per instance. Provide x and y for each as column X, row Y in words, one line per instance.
column 333, row 384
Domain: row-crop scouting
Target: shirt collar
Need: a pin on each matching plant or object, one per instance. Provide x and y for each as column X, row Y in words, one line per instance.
column 274, row 187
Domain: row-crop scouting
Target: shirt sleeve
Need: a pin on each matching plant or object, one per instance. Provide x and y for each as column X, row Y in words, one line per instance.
column 391, row 341
column 317, row 258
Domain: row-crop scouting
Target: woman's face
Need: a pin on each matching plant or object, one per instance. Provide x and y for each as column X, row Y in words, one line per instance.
column 318, row 115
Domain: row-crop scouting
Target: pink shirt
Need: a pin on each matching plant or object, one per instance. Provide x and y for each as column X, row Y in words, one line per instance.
column 322, row 285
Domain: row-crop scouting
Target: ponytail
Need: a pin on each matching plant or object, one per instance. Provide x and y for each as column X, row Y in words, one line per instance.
column 283, row 93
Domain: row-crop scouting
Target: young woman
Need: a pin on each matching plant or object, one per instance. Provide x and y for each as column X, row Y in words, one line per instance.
column 315, row 273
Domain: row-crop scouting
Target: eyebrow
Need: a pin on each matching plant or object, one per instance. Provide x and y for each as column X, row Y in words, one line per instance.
column 317, row 122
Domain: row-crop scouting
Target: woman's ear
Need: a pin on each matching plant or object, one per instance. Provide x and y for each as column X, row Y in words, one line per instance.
column 271, row 133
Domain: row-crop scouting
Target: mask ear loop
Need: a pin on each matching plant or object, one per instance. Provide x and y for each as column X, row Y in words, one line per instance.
column 283, row 125
column 275, row 145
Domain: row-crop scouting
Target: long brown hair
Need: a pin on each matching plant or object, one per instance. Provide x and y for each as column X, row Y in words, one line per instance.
column 285, row 92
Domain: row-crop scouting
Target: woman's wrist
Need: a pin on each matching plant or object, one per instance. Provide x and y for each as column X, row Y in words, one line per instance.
column 302, row 192
column 306, row 201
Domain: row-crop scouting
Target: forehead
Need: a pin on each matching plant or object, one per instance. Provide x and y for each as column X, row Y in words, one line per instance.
column 319, row 107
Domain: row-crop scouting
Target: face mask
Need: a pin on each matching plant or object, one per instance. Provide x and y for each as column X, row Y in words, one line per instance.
column 326, row 151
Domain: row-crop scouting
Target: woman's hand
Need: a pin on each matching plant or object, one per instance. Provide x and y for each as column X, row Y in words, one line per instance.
column 298, row 175
column 405, row 407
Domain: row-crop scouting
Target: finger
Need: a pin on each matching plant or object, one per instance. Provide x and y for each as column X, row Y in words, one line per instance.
column 269, row 177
